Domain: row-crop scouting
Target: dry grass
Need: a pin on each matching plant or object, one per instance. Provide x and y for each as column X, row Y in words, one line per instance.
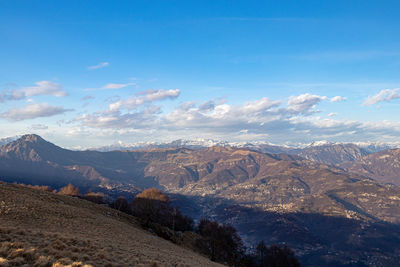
column 40, row 228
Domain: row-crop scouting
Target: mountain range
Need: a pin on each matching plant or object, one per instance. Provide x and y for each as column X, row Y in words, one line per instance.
column 322, row 151
column 329, row 202
column 199, row 143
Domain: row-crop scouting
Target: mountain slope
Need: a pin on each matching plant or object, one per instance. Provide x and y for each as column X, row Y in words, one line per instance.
column 382, row 166
column 38, row 226
column 331, row 153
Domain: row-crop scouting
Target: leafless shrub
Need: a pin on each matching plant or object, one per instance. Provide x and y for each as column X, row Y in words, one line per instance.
column 69, row 190
column 153, row 194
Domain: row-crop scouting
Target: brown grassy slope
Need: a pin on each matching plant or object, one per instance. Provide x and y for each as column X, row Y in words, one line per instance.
column 38, row 228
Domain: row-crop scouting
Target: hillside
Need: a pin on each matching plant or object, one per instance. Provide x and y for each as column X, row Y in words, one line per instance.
column 382, row 166
column 331, row 153
column 38, row 227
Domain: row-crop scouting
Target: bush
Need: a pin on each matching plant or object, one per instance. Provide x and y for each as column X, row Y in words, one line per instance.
column 69, row 190
column 153, row 194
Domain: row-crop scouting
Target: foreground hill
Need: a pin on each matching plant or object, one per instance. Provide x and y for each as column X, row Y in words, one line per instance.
column 43, row 228
column 382, row 166
column 329, row 216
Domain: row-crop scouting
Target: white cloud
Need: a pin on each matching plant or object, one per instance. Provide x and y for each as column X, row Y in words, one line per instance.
column 111, row 86
column 304, row 103
column 99, row 66
column 44, row 88
column 143, row 98
column 385, row 95
column 32, row 111
column 116, row 120
column 338, row 99
column 116, row 85
column 153, row 95
column 41, row 88
column 332, row 114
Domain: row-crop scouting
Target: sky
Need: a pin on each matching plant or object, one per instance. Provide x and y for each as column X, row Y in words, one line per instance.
column 92, row 73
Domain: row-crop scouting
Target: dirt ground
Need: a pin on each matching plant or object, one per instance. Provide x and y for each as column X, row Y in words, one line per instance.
column 39, row 228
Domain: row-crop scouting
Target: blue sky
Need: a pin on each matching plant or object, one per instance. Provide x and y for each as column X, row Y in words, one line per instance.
column 91, row 73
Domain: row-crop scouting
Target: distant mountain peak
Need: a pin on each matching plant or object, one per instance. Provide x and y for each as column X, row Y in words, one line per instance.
column 31, row 141
column 32, row 146
column 33, row 138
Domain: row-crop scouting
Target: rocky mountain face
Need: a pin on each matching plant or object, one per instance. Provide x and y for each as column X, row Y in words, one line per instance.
column 332, row 154
column 330, row 217
column 382, row 166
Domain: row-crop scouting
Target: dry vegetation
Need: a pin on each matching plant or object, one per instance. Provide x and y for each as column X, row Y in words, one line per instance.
column 40, row 228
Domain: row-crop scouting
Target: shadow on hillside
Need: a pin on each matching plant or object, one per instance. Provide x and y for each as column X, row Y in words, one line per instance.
column 318, row 240
column 87, row 169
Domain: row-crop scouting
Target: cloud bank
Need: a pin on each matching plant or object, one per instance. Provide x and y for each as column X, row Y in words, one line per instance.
column 292, row 120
